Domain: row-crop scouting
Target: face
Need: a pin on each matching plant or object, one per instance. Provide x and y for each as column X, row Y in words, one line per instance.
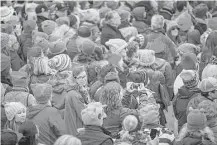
column 18, row 29
column 82, row 79
column 102, row 116
column 15, row 46
column 116, row 19
column 182, row 36
column 174, row 32
column 21, row 116
column 213, row 95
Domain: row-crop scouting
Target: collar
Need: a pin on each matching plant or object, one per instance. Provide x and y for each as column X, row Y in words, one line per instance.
column 97, row 128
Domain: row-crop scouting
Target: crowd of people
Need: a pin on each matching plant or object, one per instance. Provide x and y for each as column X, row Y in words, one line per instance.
column 108, row 72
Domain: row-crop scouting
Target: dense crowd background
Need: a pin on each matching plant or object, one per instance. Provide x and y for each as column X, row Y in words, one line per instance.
column 108, row 72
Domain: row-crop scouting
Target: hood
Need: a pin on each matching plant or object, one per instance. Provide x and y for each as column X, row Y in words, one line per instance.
column 185, row 93
column 34, row 110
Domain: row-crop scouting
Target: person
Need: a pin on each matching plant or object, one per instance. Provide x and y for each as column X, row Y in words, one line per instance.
column 93, row 132
column 195, row 130
column 210, row 111
column 208, row 88
column 173, row 31
column 76, row 98
column 30, row 134
column 111, row 95
column 67, row 140
column 5, row 71
column 110, row 31
column 16, row 115
column 188, row 91
column 8, row 137
column 50, row 126
column 20, row 91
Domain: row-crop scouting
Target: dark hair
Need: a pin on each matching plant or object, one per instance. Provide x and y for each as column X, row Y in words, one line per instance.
column 131, row 48
column 180, row 5
column 84, row 31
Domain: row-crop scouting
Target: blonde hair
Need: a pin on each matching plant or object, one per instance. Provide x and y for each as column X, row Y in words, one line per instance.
column 67, row 140
column 157, row 21
column 206, row 131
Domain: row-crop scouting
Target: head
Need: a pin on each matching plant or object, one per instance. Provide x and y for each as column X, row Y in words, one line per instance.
column 190, row 78
column 80, row 75
column 42, row 93
column 208, row 87
column 15, row 112
column 172, row 28
column 30, row 133
column 189, row 61
column 117, row 46
column 61, row 9
column 209, row 108
column 138, row 77
column 42, row 61
column 74, row 21
column 67, row 140
column 186, row 48
column 93, row 114
column 146, row 57
column 13, row 43
column 116, row 60
column 181, row 5
column 61, row 62
column 193, row 37
column 157, row 22
column 130, row 123
column 111, row 96
column 132, row 50
column 19, row 79
column 112, row 18
column 8, row 137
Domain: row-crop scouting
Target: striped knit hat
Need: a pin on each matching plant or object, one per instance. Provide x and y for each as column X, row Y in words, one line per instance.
column 190, row 78
column 12, row 108
column 60, row 62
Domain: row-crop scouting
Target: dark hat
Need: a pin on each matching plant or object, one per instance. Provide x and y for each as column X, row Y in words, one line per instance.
column 61, row 6
column 72, row 19
column 8, row 137
column 200, row 10
column 84, row 31
column 87, row 47
column 41, row 8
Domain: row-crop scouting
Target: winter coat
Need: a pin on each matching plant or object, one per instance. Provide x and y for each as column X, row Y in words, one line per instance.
column 19, row 94
column 74, row 104
column 110, row 32
column 165, row 68
column 16, row 62
column 129, row 100
column 180, row 103
column 113, row 122
column 94, row 135
column 141, row 26
column 48, row 119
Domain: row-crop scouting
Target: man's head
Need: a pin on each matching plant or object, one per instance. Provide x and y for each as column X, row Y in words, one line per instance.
column 112, row 18
column 208, row 87
column 93, row 114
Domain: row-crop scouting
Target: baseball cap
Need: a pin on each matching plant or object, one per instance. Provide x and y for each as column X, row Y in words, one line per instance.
column 208, row 84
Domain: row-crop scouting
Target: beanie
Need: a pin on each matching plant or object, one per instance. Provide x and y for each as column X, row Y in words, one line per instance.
column 130, row 123
column 42, row 42
column 42, row 92
column 184, row 21
column 209, row 107
column 72, row 20
column 12, row 108
column 84, row 31
column 209, row 71
column 103, row 11
column 189, row 78
column 138, row 13
column 29, row 25
column 208, row 84
column 196, row 120
column 4, row 40
column 147, row 57
column 87, row 47
column 48, row 26
column 41, row 8
column 40, row 34
column 35, row 51
column 187, row 48
column 60, row 62
column 112, row 4
column 116, row 45
column 7, row 28
column 28, row 128
column 57, row 47
column 8, row 137
column 77, row 70
column 125, row 15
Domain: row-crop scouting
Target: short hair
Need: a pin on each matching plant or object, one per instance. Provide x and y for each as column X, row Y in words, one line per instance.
column 180, row 5
column 67, row 140
column 110, row 15
column 157, row 21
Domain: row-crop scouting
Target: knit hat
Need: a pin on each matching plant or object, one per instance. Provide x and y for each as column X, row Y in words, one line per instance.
column 60, row 62
column 30, row 7
column 5, row 62
column 35, row 51
column 157, row 21
column 112, row 4
column 171, row 24
column 103, row 11
column 84, row 31
column 116, row 45
column 208, row 84
column 87, row 47
column 7, row 28
column 4, row 40
column 29, row 25
column 93, row 113
column 138, row 13
column 97, row 4
column 130, row 123
column 209, row 108
column 6, row 13
column 12, row 108
column 147, row 57
column 184, row 21
column 138, row 77
column 196, row 120
column 149, row 116
column 57, row 47
column 114, row 59
column 42, row 92
column 200, row 10
column 187, row 48
column 42, row 42
column 209, row 71
column 62, row 20
column 8, row 137
column 73, row 19
column 190, row 78
column 13, row 20
column 41, row 8
column 189, row 61
column 125, row 15
column 77, row 70
column 48, row 26
column 19, row 79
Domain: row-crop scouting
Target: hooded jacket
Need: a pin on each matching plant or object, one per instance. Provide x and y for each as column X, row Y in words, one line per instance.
column 180, row 103
column 48, row 119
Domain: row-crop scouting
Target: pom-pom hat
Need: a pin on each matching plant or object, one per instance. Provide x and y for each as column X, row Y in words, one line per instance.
column 60, row 62
column 12, row 108
column 190, row 78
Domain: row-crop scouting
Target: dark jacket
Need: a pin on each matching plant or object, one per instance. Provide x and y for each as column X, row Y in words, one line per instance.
column 48, row 119
column 110, row 32
column 94, row 135
column 40, row 19
column 180, row 104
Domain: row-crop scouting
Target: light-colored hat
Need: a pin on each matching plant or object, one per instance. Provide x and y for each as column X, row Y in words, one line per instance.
column 57, row 47
column 48, row 26
column 208, row 84
column 209, row 71
column 116, row 45
column 171, row 24
column 184, row 21
column 60, row 62
column 157, row 21
column 12, row 108
column 130, row 123
column 190, row 78
column 6, row 13
column 147, row 57
column 187, row 48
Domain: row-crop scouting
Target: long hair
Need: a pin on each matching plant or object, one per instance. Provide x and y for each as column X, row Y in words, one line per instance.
column 67, row 140
column 206, row 132
column 11, row 125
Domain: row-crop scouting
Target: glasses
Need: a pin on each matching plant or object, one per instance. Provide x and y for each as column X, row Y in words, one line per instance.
column 81, row 77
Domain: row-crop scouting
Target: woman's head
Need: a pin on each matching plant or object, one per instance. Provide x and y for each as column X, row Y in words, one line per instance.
column 67, row 140
column 30, row 133
column 15, row 111
column 112, row 18
column 80, row 75
column 211, row 43
column 111, row 96
column 157, row 22
column 209, row 109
